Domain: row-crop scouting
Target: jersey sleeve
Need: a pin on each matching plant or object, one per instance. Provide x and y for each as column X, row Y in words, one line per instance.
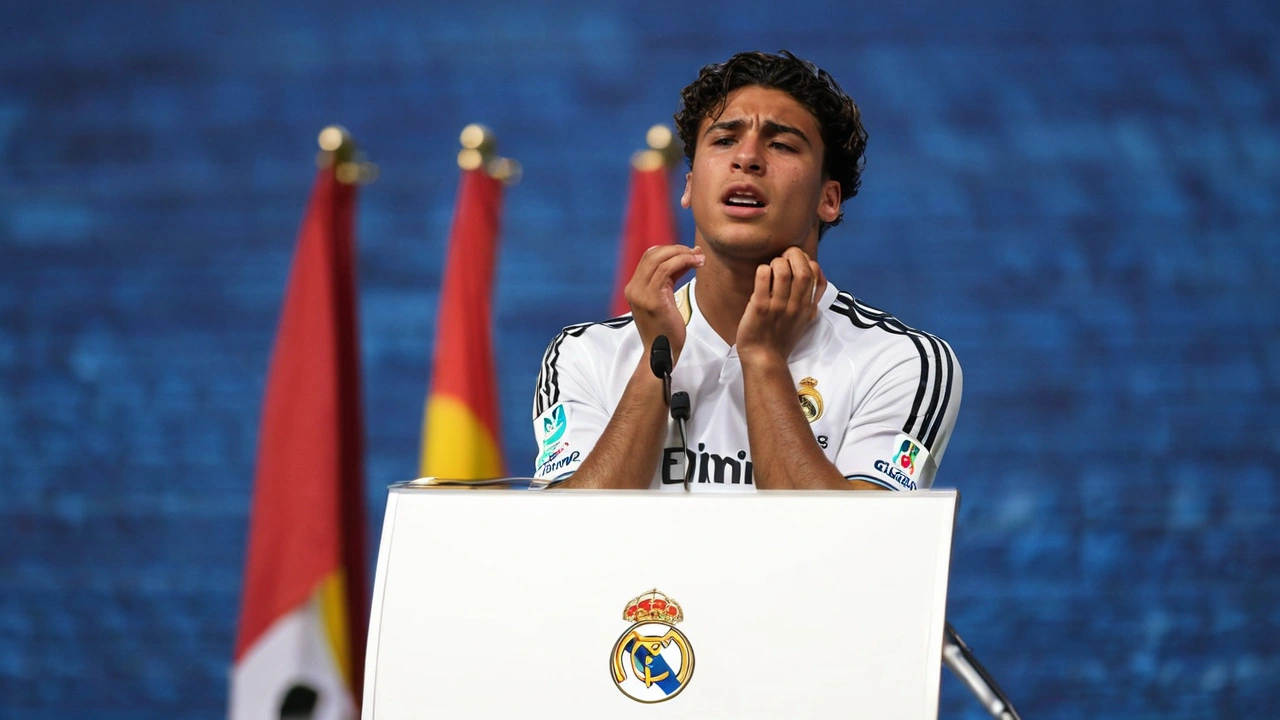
column 900, row 429
column 568, row 413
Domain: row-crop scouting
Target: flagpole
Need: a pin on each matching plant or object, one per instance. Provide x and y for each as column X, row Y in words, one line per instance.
column 663, row 150
column 339, row 151
column 479, row 152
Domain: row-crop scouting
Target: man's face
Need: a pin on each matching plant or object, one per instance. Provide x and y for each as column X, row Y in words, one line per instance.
column 756, row 186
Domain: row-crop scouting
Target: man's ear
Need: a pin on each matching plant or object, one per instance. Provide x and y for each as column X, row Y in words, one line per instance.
column 686, row 199
column 829, row 202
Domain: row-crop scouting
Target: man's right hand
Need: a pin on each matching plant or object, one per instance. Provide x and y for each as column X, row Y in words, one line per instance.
column 651, row 293
column 627, row 452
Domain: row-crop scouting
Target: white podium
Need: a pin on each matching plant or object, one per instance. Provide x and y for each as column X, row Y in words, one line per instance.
column 494, row 603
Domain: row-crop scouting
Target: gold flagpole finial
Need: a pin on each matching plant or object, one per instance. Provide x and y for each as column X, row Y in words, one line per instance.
column 338, row 150
column 479, row 152
column 663, row 151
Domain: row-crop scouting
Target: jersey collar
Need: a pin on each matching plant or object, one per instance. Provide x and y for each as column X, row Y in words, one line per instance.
column 698, row 328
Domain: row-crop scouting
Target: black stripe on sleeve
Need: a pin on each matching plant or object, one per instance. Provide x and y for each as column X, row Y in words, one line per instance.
column 946, row 397
column 547, row 392
column 931, row 385
column 937, row 390
column 866, row 317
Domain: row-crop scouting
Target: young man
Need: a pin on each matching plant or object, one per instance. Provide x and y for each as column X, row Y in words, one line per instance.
column 792, row 384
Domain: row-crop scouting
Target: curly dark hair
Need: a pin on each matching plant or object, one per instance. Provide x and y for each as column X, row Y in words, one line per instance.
column 843, row 136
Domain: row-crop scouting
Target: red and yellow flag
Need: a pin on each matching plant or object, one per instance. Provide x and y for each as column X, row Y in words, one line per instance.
column 460, row 435
column 304, row 612
column 650, row 220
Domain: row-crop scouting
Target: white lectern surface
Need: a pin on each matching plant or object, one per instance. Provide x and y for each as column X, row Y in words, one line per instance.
column 506, row 603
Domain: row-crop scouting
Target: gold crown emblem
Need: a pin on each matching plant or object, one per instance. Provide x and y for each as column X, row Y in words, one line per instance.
column 653, row 606
column 810, row 399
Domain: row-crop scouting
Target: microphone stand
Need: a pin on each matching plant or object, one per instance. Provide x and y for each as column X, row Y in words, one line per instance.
column 963, row 664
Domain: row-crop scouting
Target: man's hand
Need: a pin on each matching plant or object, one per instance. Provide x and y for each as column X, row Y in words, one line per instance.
column 651, row 293
column 626, row 454
column 783, row 304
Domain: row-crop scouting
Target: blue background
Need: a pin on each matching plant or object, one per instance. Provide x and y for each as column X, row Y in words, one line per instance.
column 1083, row 198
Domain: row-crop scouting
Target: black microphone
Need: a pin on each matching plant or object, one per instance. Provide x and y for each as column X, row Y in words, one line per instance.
column 660, row 361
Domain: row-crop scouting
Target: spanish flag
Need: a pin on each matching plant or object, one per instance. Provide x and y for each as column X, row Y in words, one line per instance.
column 300, row 646
column 650, row 219
column 460, row 435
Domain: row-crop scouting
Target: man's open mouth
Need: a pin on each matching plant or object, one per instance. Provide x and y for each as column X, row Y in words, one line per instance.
column 743, row 197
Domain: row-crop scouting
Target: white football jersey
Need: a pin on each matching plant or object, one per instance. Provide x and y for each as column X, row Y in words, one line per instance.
column 880, row 397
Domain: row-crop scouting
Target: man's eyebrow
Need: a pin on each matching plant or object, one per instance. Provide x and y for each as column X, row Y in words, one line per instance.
column 776, row 128
column 771, row 128
column 725, row 125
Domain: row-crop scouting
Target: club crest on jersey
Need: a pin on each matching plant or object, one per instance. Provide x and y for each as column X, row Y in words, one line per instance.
column 652, row 661
column 810, row 399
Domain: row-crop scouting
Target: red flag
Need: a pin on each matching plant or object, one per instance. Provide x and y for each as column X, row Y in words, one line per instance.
column 650, row 221
column 304, row 609
column 460, row 436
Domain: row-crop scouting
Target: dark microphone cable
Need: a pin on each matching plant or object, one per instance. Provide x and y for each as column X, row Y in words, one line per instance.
column 680, row 411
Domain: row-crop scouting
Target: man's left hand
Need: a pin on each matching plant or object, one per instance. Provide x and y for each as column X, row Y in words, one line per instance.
column 783, row 304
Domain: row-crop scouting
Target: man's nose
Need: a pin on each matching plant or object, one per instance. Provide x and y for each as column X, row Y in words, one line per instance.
column 748, row 158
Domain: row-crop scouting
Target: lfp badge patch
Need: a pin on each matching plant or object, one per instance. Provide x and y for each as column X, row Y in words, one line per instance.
column 908, row 455
column 652, row 661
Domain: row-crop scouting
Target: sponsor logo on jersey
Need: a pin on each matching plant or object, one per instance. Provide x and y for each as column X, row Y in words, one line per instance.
column 706, row 467
column 895, row 474
column 559, row 463
column 906, row 459
column 551, row 426
column 810, row 399
column 652, row 661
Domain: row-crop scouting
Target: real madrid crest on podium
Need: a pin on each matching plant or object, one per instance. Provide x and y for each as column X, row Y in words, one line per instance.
column 652, row 661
